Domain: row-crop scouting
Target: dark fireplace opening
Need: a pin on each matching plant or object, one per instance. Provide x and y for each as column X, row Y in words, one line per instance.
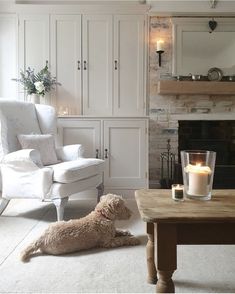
column 218, row 136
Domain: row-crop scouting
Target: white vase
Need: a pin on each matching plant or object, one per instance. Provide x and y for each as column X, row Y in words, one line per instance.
column 34, row 98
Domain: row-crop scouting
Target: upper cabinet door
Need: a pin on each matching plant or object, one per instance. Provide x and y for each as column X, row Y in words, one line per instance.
column 33, row 41
column 66, row 62
column 8, row 53
column 129, row 65
column 97, row 64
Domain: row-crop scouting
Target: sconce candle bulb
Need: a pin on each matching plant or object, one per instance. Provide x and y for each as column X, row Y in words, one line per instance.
column 160, row 47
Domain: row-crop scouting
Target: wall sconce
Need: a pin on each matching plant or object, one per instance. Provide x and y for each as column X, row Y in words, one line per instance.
column 160, row 47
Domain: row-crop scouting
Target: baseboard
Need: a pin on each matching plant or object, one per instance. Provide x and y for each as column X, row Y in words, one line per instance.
column 92, row 194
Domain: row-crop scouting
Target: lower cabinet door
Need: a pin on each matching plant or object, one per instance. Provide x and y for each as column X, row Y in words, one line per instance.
column 85, row 132
column 125, row 144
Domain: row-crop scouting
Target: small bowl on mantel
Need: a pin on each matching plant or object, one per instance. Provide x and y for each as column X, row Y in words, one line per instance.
column 196, row 77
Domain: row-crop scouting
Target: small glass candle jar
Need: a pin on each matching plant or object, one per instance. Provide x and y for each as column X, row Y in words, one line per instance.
column 177, row 191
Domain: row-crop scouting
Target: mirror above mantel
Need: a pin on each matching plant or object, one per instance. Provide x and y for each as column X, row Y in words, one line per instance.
column 196, row 48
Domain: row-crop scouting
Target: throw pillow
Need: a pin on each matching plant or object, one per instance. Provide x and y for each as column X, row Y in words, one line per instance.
column 45, row 144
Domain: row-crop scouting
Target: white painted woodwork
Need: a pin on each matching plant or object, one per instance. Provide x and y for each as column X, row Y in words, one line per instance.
column 129, row 75
column 125, row 142
column 66, row 62
column 85, row 132
column 97, row 64
column 8, row 56
column 98, row 59
column 33, row 41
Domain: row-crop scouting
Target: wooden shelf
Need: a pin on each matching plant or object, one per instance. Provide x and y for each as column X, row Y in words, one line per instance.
column 169, row 87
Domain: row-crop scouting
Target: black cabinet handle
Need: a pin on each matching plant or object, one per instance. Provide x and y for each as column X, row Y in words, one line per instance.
column 115, row 65
column 105, row 153
column 96, row 153
column 79, row 67
column 85, row 65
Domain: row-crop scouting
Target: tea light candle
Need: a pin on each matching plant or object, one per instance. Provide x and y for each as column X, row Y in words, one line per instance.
column 177, row 192
column 198, row 179
column 160, row 45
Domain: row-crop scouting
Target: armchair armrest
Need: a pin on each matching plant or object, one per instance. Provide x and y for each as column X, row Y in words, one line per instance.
column 25, row 157
column 23, row 175
column 70, row 152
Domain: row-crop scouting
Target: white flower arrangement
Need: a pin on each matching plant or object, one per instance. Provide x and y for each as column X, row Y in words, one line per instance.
column 39, row 83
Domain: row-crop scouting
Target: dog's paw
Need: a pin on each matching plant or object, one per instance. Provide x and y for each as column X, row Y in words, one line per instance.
column 126, row 233
column 134, row 241
column 122, row 233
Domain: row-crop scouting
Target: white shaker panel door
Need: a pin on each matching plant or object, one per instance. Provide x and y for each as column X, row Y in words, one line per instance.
column 84, row 132
column 66, row 62
column 97, row 64
column 33, row 41
column 8, row 60
column 129, row 65
column 125, row 154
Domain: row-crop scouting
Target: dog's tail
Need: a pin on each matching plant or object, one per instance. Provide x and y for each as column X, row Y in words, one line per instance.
column 33, row 247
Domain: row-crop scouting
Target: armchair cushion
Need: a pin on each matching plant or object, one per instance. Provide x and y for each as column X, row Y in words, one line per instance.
column 72, row 171
column 43, row 143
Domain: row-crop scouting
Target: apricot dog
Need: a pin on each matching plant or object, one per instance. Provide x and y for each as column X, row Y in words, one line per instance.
column 97, row 229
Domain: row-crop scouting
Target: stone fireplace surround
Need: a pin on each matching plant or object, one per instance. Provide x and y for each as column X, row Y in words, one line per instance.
column 166, row 110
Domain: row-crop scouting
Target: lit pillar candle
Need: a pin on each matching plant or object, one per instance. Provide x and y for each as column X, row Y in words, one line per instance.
column 160, row 45
column 198, row 179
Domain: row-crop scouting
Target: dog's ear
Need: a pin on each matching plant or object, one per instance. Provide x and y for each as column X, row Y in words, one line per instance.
column 102, row 197
column 106, row 197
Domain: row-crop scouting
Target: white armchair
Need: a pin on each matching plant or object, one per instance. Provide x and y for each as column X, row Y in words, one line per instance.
column 22, row 173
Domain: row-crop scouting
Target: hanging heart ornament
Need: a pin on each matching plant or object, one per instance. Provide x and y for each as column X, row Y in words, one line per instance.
column 212, row 24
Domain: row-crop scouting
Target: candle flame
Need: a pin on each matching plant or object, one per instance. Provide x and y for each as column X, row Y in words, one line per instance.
column 198, row 168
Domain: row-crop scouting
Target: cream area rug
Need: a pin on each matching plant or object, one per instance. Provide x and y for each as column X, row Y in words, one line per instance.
column 119, row 270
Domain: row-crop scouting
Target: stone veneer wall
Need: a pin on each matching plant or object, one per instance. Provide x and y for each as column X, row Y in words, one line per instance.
column 162, row 125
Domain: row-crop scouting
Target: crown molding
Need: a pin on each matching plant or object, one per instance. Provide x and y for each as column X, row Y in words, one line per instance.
column 71, row 7
column 191, row 7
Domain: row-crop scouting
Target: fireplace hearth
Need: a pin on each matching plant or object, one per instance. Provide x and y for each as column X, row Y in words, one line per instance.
column 218, row 136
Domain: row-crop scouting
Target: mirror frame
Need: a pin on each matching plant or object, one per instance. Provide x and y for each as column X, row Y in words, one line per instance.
column 199, row 24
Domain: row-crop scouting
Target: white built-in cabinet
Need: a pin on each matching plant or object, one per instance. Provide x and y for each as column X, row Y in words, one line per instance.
column 65, row 62
column 129, row 97
column 99, row 60
column 33, row 41
column 8, row 55
column 122, row 143
column 98, row 64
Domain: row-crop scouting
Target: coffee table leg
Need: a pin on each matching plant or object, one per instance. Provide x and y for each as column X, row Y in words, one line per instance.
column 166, row 256
column 152, row 273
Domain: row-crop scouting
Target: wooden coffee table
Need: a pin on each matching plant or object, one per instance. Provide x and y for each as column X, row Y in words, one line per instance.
column 170, row 223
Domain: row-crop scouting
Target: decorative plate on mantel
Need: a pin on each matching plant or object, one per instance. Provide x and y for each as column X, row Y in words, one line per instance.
column 215, row 74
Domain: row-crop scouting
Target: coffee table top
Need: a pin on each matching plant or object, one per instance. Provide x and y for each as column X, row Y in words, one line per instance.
column 156, row 205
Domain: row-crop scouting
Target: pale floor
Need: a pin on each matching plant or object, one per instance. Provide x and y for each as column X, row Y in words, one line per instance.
column 120, row 270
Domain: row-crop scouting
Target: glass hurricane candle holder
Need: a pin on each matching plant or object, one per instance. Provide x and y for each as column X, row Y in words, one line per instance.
column 198, row 171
